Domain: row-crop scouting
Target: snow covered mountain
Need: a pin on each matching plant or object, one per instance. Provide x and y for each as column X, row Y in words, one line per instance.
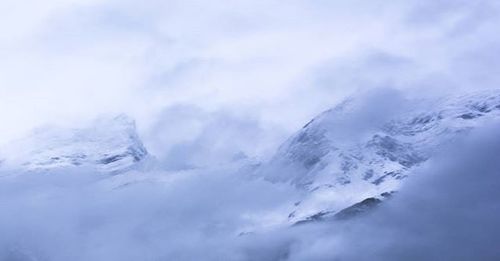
column 345, row 160
column 337, row 167
column 108, row 145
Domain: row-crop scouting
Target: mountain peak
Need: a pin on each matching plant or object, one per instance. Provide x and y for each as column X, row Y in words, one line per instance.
column 108, row 144
column 366, row 147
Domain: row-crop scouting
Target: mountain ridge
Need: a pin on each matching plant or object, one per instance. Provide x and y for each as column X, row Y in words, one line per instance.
column 337, row 168
column 108, row 145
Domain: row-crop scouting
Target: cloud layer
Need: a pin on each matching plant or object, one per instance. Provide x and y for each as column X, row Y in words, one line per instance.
column 68, row 61
column 446, row 210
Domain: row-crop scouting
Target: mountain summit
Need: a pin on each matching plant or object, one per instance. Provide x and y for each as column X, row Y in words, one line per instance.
column 108, row 145
column 364, row 148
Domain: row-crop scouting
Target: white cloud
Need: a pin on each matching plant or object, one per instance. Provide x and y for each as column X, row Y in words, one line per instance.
column 64, row 61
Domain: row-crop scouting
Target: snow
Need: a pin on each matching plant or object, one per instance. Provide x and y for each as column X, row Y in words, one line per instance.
column 334, row 161
column 338, row 168
column 108, row 145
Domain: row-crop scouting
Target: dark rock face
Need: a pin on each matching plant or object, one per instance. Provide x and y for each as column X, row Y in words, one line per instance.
column 300, row 155
column 394, row 150
column 470, row 116
column 358, row 209
column 314, row 147
column 319, row 217
column 136, row 153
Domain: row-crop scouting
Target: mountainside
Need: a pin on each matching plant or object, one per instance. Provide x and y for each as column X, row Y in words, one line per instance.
column 343, row 160
column 338, row 168
column 107, row 145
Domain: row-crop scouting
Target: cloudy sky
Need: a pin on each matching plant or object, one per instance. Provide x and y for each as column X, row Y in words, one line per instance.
column 266, row 65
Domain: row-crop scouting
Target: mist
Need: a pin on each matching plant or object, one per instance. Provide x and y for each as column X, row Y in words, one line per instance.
column 72, row 61
column 76, row 215
column 446, row 210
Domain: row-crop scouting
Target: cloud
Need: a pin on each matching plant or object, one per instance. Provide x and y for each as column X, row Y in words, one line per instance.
column 282, row 64
column 78, row 215
column 190, row 137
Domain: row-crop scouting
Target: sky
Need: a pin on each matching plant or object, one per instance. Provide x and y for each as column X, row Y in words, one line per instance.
column 264, row 64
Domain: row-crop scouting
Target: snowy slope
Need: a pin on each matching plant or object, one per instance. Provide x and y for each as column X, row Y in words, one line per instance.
column 338, row 168
column 107, row 145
